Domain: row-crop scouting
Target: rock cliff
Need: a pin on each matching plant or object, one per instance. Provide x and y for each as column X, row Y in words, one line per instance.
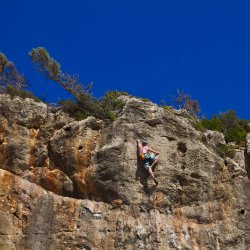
column 67, row 184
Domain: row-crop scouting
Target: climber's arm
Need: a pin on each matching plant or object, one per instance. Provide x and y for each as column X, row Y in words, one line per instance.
column 153, row 151
column 138, row 143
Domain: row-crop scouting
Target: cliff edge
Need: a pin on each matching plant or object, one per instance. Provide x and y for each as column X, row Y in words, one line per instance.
column 67, row 184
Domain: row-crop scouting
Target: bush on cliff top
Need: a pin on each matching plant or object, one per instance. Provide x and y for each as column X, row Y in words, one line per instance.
column 233, row 128
column 13, row 91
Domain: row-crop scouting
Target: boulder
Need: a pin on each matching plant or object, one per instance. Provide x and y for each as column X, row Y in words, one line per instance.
column 28, row 112
column 215, row 138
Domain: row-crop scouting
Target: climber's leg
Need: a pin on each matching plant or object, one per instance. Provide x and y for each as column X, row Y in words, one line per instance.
column 153, row 165
column 149, row 169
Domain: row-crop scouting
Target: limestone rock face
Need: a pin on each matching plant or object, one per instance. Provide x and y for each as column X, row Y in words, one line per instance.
column 15, row 110
column 68, row 184
column 214, row 137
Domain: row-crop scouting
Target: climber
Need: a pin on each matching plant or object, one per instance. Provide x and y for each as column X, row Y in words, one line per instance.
column 147, row 159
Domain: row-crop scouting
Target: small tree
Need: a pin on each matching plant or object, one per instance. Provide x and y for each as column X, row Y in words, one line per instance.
column 3, row 62
column 51, row 69
column 9, row 75
column 192, row 106
column 233, row 130
column 185, row 101
column 229, row 119
column 86, row 104
column 180, row 98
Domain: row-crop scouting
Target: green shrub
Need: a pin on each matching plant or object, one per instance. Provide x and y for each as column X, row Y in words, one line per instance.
column 110, row 100
column 111, row 116
column 213, row 124
column 80, row 116
column 87, row 105
column 245, row 124
column 13, row 91
column 69, row 106
column 225, row 150
column 145, row 99
column 168, row 108
column 198, row 126
column 235, row 134
column 233, row 128
column 114, row 94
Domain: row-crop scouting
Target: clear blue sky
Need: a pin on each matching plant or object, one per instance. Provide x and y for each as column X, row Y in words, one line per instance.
column 148, row 48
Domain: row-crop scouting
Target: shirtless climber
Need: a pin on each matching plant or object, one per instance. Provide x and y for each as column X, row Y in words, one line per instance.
column 147, row 159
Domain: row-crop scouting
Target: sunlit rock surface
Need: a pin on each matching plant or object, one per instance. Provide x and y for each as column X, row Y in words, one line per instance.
column 68, row 184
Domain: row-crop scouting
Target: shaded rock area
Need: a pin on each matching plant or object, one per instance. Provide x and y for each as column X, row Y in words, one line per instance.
column 67, row 184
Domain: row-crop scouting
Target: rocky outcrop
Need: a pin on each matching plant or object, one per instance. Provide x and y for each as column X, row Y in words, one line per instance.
column 215, row 138
column 15, row 111
column 68, row 184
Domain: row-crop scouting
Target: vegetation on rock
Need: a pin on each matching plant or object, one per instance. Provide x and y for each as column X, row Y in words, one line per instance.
column 234, row 128
column 84, row 103
column 225, row 150
column 9, row 75
column 12, row 82
column 13, row 91
column 185, row 101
